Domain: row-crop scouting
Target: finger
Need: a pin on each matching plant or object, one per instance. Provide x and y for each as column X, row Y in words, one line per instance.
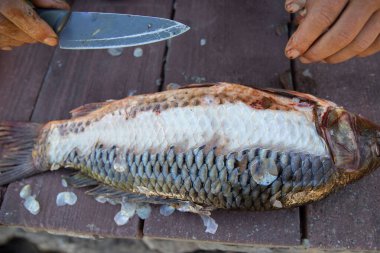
column 9, row 42
column 374, row 48
column 364, row 40
column 344, row 31
column 320, row 15
column 55, row 4
column 25, row 18
column 293, row 6
column 9, row 29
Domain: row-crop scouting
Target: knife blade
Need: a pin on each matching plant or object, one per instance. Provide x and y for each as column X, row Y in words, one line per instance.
column 95, row 30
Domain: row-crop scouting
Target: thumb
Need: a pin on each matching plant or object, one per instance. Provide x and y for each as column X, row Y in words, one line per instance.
column 26, row 19
column 54, row 4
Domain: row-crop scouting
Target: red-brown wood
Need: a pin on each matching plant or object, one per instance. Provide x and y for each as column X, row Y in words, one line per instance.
column 74, row 78
column 87, row 217
column 22, row 72
column 241, row 46
column 350, row 217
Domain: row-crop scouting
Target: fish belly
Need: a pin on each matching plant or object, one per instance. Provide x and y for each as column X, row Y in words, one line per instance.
column 226, row 156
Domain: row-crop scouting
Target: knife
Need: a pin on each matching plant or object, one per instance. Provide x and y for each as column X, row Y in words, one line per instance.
column 95, row 30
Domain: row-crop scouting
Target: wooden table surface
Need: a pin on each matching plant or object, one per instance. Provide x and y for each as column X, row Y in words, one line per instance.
column 242, row 42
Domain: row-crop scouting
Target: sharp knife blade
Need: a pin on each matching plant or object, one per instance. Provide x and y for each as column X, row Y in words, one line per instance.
column 95, row 30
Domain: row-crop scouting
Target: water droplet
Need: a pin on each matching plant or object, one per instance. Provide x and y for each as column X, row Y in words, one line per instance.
column 66, row 198
column 64, row 182
column 210, row 224
column 138, row 52
column 121, row 218
column 32, row 205
column 166, row 210
column 128, row 208
column 26, row 191
column 115, row 51
column 143, row 211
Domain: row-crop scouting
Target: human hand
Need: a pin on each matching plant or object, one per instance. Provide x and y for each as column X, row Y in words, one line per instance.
column 20, row 24
column 334, row 31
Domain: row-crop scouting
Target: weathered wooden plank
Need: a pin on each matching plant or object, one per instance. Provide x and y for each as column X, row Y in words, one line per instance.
column 349, row 218
column 22, row 71
column 73, row 79
column 78, row 77
column 274, row 228
column 87, row 218
column 239, row 45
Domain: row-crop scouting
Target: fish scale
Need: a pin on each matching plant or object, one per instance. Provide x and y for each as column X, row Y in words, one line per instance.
column 219, row 146
column 204, row 177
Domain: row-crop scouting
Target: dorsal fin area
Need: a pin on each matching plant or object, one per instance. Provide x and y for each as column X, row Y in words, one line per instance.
column 88, row 108
column 302, row 96
column 198, row 85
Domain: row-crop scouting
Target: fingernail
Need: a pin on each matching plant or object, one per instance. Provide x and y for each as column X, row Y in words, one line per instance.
column 304, row 60
column 292, row 53
column 6, row 48
column 293, row 7
column 63, row 4
column 50, row 41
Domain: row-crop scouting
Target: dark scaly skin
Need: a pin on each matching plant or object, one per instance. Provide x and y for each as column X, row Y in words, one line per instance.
column 203, row 178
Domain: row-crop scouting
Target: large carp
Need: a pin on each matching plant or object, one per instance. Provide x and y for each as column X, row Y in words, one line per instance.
column 211, row 146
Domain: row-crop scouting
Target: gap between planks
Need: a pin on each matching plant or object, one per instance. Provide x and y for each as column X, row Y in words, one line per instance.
column 293, row 69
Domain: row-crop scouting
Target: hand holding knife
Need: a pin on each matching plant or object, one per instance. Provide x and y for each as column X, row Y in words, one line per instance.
column 20, row 24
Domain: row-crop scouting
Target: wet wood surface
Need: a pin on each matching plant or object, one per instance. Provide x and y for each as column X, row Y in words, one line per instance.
column 348, row 218
column 223, row 46
column 235, row 41
column 74, row 78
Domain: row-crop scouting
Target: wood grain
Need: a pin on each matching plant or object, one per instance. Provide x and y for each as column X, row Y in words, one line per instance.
column 241, row 46
column 22, row 72
column 348, row 218
column 240, row 43
column 73, row 79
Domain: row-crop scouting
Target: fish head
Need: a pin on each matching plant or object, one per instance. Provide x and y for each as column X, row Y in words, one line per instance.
column 354, row 143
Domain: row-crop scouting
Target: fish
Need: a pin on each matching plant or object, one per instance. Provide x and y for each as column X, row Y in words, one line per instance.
column 200, row 148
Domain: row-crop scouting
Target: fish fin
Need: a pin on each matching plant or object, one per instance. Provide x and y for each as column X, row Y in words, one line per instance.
column 88, row 108
column 109, row 192
column 198, row 85
column 17, row 140
column 79, row 180
column 302, row 96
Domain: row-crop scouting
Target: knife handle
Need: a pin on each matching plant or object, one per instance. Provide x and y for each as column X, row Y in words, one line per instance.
column 55, row 18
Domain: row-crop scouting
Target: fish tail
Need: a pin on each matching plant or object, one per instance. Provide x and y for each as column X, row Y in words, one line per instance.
column 17, row 140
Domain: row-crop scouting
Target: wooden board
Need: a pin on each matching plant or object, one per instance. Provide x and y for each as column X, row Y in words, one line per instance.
column 241, row 46
column 350, row 217
column 78, row 77
column 73, row 79
column 234, row 227
column 22, row 72
column 87, row 218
